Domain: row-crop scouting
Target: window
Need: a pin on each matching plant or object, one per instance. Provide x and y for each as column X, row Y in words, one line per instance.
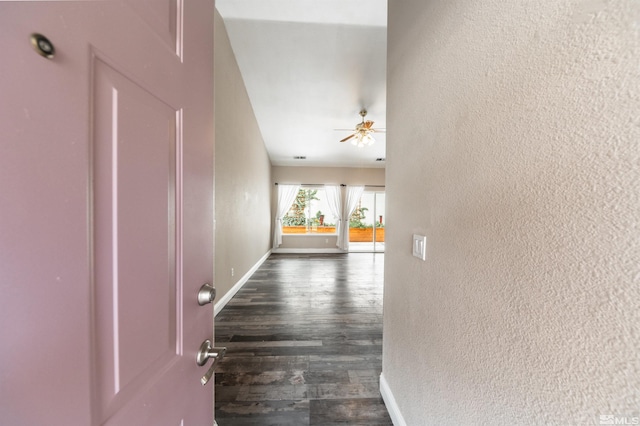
column 366, row 224
column 309, row 214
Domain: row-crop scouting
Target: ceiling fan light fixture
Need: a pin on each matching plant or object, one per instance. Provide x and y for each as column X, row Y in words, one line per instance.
column 363, row 139
column 368, row 139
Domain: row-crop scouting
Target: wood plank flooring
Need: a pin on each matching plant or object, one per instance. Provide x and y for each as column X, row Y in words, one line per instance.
column 304, row 339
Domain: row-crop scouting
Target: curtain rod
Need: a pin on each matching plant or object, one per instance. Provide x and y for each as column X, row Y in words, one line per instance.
column 311, row 184
column 342, row 184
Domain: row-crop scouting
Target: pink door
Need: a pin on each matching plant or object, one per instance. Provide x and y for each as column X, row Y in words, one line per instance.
column 106, row 212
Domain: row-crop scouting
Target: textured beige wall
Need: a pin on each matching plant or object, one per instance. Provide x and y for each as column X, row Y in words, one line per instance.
column 329, row 175
column 243, row 173
column 319, row 241
column 513, row 145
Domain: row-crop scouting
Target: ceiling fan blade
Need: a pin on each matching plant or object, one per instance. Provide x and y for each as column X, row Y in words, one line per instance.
column 368, row 124
column 379, row 130
column 347, row 138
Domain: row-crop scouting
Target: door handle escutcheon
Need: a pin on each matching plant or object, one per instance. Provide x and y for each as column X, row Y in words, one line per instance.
column 206, row 294
column 205, row 352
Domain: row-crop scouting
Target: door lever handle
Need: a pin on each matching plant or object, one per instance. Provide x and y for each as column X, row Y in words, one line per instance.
column 205, row 352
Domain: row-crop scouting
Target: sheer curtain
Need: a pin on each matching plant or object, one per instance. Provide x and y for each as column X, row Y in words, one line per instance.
column 335, row 205
column 286, row 197
column 351, row 201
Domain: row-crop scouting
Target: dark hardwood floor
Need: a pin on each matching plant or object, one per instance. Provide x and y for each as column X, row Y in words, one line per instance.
column 304, row 339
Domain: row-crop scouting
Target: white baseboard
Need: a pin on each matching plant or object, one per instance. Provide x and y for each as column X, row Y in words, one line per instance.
column 237, row 286
column 307, row 250
column 390, row 402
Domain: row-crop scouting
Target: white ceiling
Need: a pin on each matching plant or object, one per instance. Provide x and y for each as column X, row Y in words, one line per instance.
column 309, row 67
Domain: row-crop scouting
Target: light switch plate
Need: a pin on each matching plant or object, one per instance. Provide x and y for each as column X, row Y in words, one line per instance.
column 420, row 246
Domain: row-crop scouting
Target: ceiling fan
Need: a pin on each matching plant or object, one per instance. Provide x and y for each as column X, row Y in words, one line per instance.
column 361, row 136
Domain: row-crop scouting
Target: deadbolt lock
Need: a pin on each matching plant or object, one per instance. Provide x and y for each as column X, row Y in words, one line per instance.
column 206, row 294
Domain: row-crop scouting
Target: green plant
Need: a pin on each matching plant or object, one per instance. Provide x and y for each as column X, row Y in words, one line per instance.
column 355, row 221
column 296, row 215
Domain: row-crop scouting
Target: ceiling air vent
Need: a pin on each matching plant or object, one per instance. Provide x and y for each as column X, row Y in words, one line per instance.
column 380, row 159
column 299, row 157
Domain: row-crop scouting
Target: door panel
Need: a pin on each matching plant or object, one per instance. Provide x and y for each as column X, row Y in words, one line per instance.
column 164, row 18
column 106, row 212
column 134, row 183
